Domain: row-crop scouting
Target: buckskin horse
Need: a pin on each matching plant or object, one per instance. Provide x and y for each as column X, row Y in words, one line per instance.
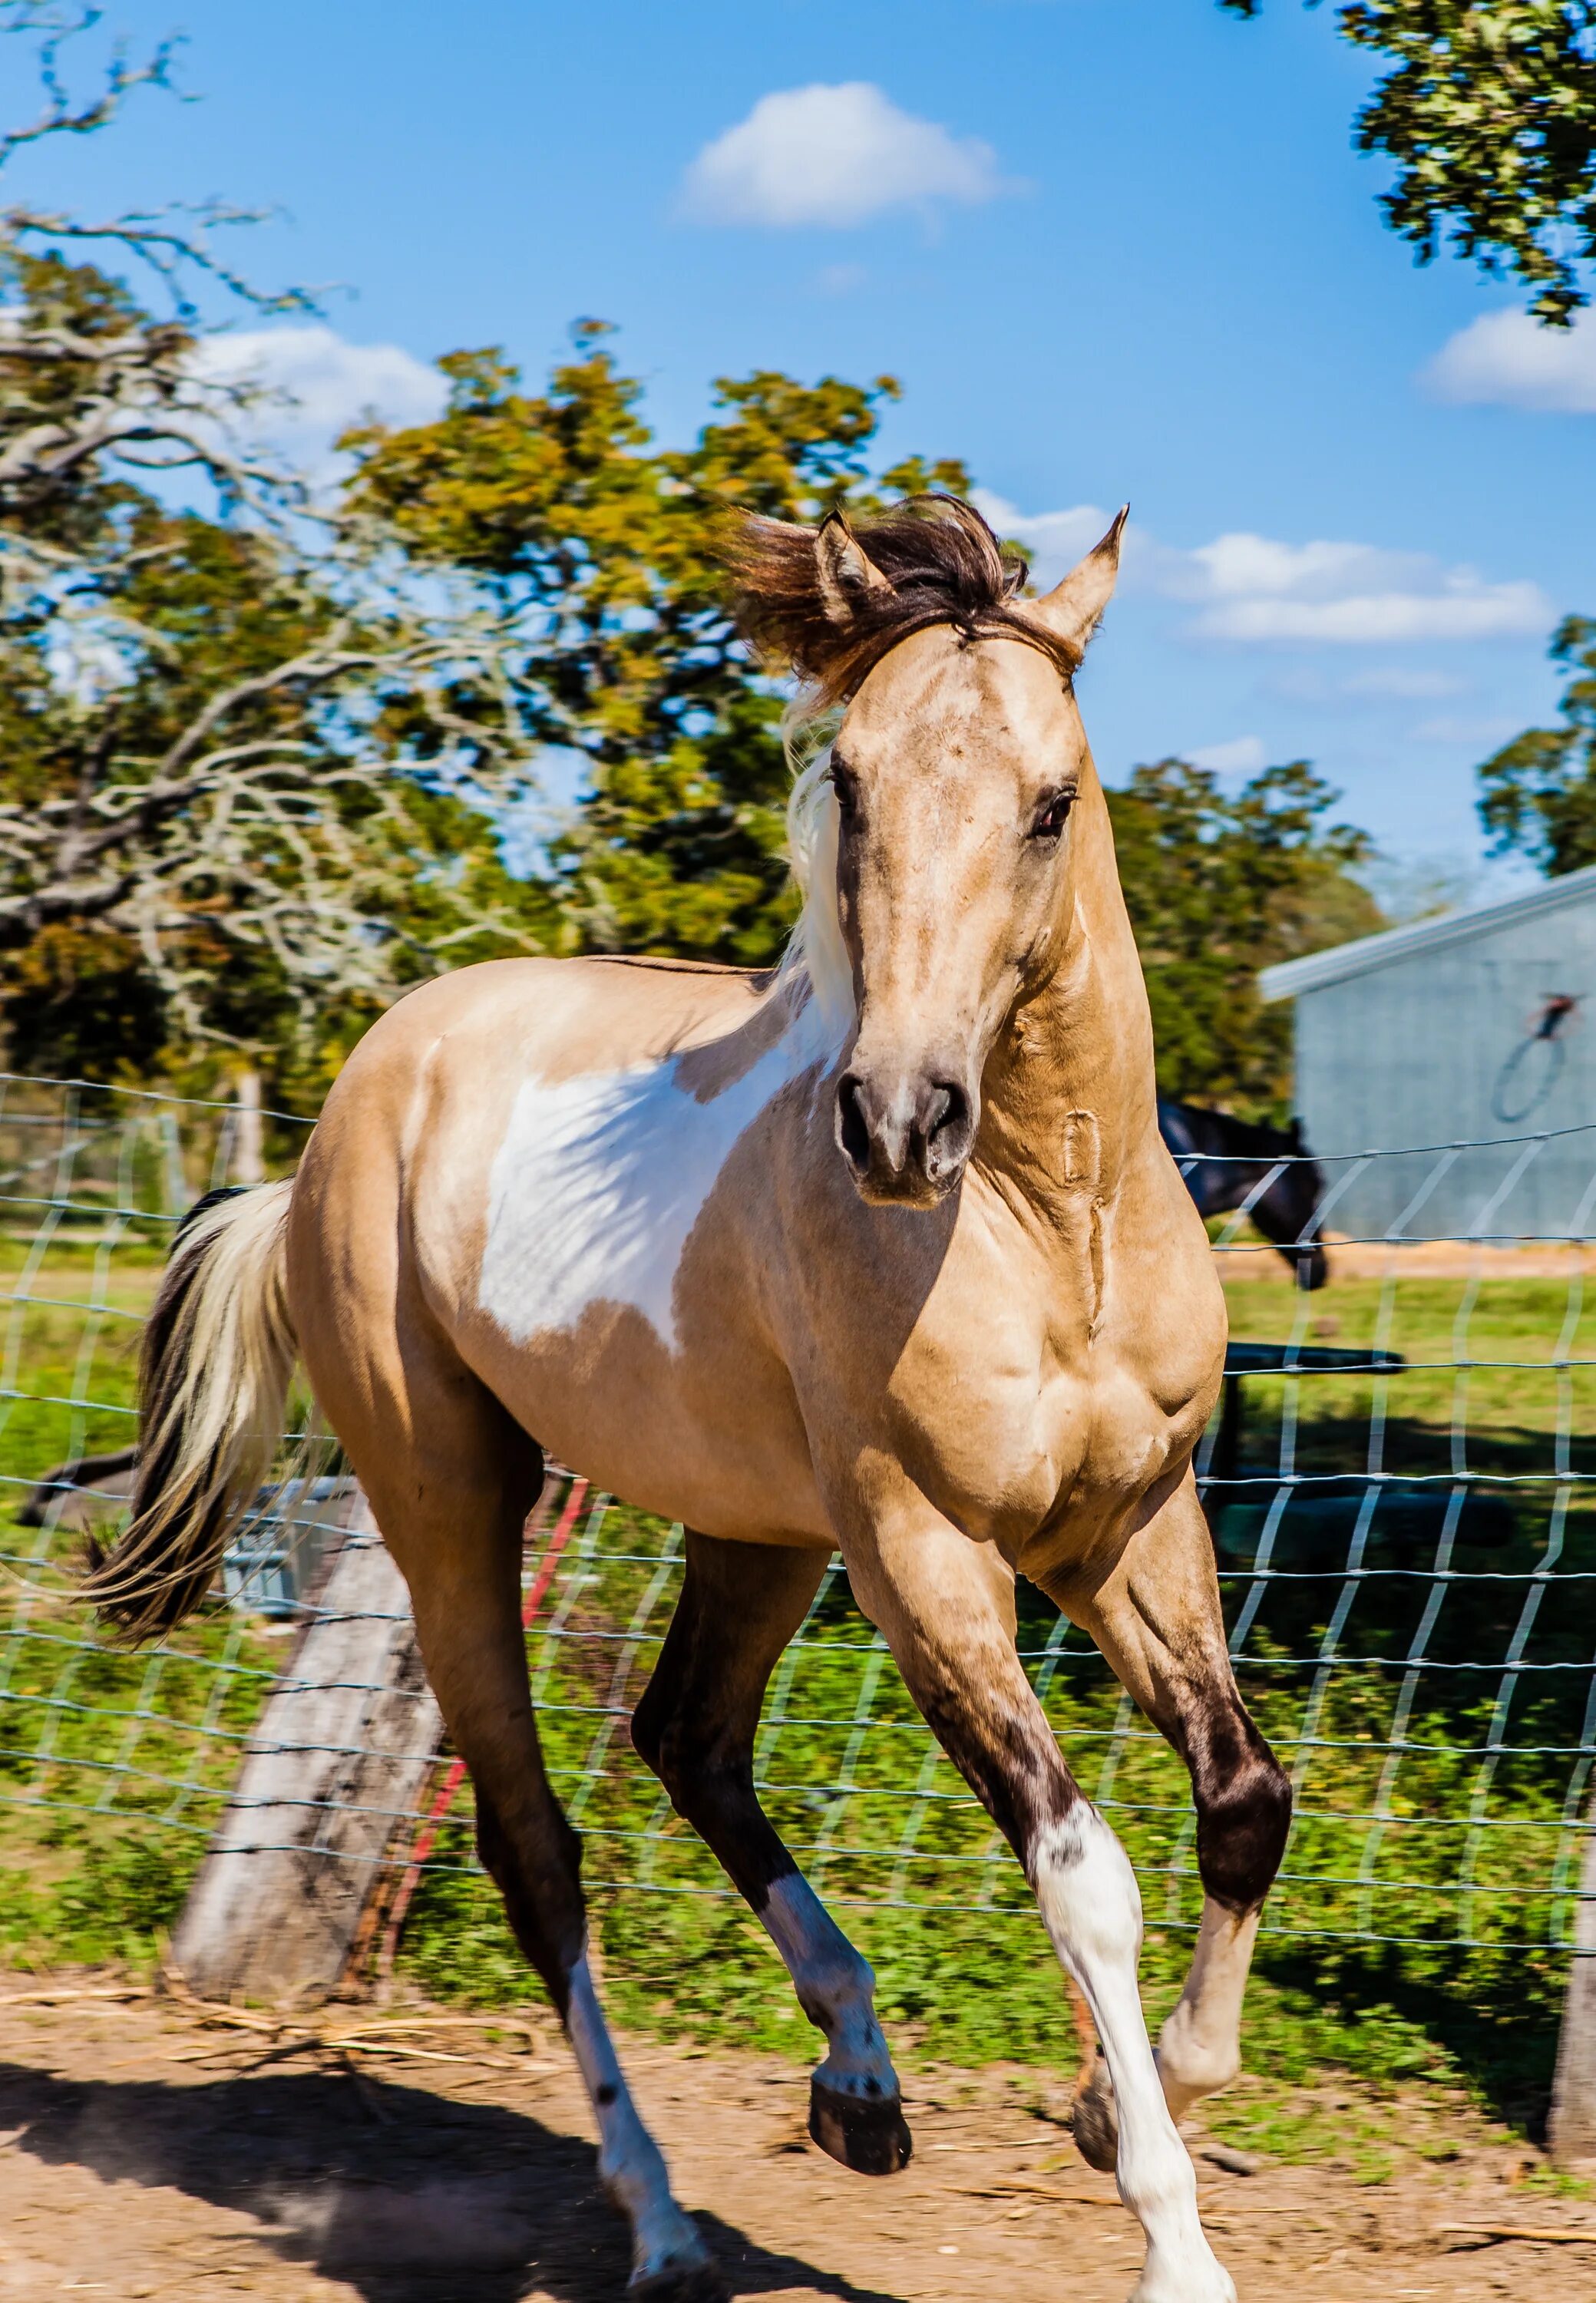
column 879, row 1250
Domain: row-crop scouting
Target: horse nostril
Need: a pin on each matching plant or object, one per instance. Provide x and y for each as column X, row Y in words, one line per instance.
column 852, row 1133
column 946, row 1107
column 945, row 1129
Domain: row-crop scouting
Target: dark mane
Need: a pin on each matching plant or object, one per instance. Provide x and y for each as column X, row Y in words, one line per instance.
column 942, row 563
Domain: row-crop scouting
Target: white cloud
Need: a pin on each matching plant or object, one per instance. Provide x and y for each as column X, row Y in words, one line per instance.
column 833, row 155
column 840, row 279
column 1408, row 685
column 1461, row 608
column 1243, row 756
column 1255, row 589
column 1482, row 733
column 320, row 384
column 1504, row 359
column 1301, row 683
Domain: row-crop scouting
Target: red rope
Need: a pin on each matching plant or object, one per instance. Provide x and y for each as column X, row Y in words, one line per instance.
column 433, row 1822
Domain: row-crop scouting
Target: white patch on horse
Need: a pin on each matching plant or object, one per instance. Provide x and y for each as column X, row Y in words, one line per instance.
column 600, row 1179
column 1089, row 1900
column 1199, row 2049
column 629, row 2163
column 835, row 1987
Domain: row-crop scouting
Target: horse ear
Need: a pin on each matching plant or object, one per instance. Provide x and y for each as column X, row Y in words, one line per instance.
column 846, row 573
column 1073, row 610
column 1295, row 1131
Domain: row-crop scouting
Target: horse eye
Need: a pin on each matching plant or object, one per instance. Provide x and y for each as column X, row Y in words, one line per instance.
column 842, row 783
column 1050, row 822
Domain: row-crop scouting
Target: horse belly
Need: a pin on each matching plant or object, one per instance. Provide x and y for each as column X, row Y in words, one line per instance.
column 711, row 1437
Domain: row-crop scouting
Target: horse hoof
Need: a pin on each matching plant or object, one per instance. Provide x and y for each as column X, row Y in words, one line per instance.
column 1094, row 2122
column 698, row 2282
column 864, row 2132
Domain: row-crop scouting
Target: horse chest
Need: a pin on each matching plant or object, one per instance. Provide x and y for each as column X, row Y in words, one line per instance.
column 1022, row 1404
column 1003, row 1440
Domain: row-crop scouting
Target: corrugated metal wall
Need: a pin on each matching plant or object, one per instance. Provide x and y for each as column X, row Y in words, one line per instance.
column 1440, row 1048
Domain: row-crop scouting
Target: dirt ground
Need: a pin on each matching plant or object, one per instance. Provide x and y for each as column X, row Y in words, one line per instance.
column 146, row 2151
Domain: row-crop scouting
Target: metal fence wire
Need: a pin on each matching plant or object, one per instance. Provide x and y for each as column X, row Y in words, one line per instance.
column 1400, row 1488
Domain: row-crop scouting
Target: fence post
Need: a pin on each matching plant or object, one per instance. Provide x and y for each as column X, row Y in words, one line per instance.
column 333, row 1770
column 1571, row 2131
column 249, row 1159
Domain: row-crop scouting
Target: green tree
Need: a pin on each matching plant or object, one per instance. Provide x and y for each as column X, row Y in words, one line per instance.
column 598, row 547
column 1218, row 887
column 1489, row 114
column 249, row 769
column 1538, row 794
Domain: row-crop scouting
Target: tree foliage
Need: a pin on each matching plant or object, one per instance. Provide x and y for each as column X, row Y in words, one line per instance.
column 1489, row 114
column 599, row 546
column 1218, row 887
column 240, row 806
column 1538, row 794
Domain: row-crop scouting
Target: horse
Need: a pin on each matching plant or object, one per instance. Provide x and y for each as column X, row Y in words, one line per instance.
column 877, row 1251
column 1269, row 1171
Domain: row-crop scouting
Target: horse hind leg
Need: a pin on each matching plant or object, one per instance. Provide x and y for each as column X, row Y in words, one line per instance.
column 741, row 1604
column 450, row 1499
column 1159, row 1622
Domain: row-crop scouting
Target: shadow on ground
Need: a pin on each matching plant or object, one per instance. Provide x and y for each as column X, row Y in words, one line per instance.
column 393, row 2190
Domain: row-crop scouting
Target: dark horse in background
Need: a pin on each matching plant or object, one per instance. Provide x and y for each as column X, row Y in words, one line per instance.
column 1223, row 1162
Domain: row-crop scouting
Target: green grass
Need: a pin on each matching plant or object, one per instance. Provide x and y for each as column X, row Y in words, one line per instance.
column 94, row 1863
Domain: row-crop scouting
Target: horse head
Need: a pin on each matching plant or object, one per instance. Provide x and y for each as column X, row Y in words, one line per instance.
column 946, row 802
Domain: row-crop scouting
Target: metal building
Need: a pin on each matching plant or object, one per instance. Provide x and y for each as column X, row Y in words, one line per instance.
column 1476, row 1029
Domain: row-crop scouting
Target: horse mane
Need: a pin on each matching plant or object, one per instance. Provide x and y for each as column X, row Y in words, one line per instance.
column 942, row 563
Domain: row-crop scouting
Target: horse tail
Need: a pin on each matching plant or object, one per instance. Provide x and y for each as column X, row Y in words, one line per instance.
column 219, row 1351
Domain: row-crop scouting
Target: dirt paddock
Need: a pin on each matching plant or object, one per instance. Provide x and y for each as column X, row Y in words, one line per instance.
column 146, row 2151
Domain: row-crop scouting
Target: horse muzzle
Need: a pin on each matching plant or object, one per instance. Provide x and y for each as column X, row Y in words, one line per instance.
column 906, row 1136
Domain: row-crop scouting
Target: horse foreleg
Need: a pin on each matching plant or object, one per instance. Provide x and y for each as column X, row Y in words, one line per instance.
column 932, row 1592
column 741, row 1604
column 1158, row 1620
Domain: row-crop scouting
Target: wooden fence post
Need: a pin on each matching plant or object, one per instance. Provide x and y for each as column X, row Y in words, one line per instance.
column 333, row 1770
column 1571, row 2131
column 248, row 1158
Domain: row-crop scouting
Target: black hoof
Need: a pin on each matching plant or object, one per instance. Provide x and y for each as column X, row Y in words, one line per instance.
column 680, row 2283
column 864, row 2132
column 1094, row 2123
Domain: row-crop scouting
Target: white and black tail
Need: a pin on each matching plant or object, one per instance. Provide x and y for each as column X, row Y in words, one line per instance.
column 218, row 1352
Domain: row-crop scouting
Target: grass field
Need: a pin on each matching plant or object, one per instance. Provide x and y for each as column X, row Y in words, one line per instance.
column 1424, row 1896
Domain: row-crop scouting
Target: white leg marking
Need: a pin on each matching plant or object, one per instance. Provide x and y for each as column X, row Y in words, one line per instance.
column 835, row 1988
column 1089, row 1900
column 1199, row 2049
column 628, row 2158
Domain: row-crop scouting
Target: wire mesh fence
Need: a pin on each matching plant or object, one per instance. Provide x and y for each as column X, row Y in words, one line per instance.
column 1400, row 1486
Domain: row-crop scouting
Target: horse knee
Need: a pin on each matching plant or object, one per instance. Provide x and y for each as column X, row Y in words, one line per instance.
column 1244, row 1814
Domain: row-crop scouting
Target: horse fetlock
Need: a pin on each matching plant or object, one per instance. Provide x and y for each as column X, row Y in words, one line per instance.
column 1094, row 2122
column 1187, row 2271
column 670, row 2261
column 678, row 2279
column 866, row 2132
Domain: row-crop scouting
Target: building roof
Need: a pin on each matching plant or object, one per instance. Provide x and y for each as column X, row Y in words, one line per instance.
column 1367, row 953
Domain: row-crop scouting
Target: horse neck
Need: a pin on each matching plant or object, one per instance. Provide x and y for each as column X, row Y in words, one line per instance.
column 1069, row 1094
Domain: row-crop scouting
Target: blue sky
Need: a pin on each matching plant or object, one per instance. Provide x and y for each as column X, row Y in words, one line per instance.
column 1114, row 248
